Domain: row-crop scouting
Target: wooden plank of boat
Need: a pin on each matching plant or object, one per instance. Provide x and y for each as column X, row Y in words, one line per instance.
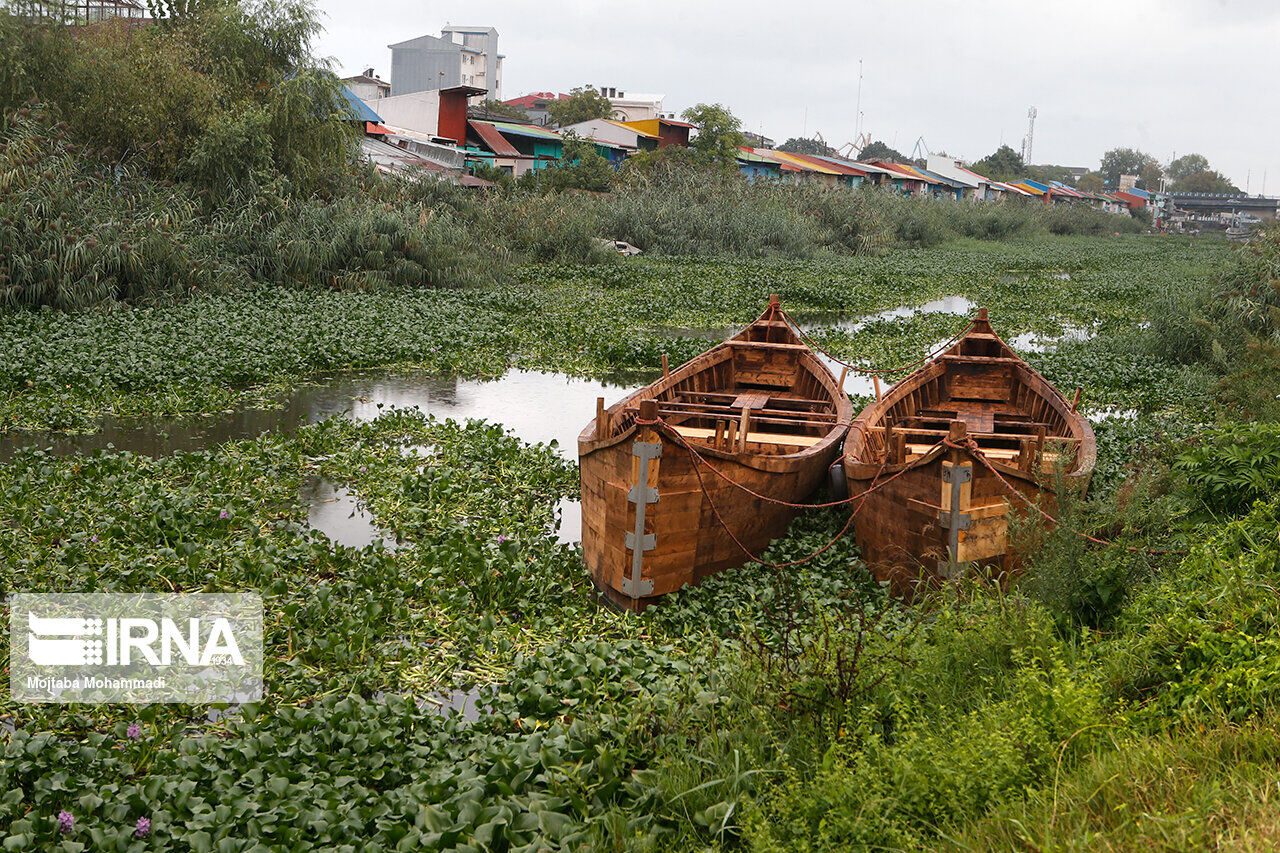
column 945, row 511
column 760, row 407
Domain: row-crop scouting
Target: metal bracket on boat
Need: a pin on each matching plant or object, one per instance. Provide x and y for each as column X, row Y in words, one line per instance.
column 953, row 520
column 637, row 541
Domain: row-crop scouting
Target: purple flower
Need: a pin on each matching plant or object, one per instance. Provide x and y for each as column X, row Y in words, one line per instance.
column 144, row 827
column 364, row 467
column 66, row 821
column 134, row 731
column 94, row 538
column 224, row 514
column 502, row 537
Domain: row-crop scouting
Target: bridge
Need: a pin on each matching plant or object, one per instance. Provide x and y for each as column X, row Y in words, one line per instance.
column 1205, row 204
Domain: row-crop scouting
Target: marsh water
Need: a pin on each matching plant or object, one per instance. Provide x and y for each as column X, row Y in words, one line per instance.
column 536, row 406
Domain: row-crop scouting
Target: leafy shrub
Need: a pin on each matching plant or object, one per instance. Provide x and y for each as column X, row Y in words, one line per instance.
column 986, row 703
column 1205, row 641
column 72, row 237
column 1232, row 467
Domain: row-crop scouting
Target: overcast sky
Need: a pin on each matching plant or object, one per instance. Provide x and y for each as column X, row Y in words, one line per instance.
column 1167, row 76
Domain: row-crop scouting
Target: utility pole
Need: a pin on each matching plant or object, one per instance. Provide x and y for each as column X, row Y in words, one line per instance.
column 1027, row 140
column 857, row 131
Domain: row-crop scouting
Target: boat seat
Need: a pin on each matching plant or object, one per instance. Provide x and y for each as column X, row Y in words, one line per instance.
column 768, row 345
column 759, row 437
column 995, row 454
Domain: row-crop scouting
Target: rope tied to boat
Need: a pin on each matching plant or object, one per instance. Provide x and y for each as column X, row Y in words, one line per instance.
column 670, row 432
column 972, row 447
column 872, row 371
column 699, row 461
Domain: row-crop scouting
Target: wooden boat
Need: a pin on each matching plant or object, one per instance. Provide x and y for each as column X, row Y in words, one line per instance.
column 944, row 510
column 760, row 407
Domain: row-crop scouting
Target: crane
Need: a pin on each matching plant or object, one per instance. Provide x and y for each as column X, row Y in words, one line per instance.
column 852, row 149
column 920, row 143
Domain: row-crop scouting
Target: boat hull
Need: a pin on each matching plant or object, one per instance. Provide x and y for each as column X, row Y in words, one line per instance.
column 763, row 414
column 904, row 527
column 946, row 449
column 691, row 519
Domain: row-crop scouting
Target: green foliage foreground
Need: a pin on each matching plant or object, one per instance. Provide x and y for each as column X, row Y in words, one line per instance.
column 1108, row 700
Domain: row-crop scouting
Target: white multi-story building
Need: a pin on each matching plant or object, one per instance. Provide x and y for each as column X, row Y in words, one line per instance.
column 633, row 106
column 459, row 56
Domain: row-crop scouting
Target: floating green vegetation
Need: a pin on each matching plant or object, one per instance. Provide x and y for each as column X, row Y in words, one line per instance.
column 208, row 353
column 766, row 709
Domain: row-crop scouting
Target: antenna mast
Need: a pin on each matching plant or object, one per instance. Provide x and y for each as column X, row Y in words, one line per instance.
column 1026, row 140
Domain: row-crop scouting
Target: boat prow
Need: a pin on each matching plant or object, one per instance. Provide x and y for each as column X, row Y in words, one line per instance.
column 946, row 447
column 765, row 415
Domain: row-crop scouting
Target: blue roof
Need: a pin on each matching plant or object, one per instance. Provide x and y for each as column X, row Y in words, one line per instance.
column 359, row 107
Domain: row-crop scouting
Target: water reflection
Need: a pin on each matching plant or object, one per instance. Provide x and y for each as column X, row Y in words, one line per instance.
column 843, row 321
column 337, row 513
column 537, row 406
column 568, row 521
column 1034, row 342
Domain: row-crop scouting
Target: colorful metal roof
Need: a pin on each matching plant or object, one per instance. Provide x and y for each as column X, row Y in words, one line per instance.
column 804, row 163
column 1029, row 187
column 851, row 167
column 359, row 107
column 748, row 155
column 527, row 130
column 493, row 139
column 841, row 167
column 902, row 170
column 1013, row 188
column 631, row 127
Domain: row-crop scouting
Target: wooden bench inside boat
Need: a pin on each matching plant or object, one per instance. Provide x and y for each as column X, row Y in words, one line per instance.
column 704, row 434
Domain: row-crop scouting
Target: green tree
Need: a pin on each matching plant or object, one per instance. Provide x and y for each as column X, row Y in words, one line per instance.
column 1003, row 164
column 1130, row 161
column 1186, row 166
column 1206, row 181
column 878, row 150
column 1091, row 182
column 499, row 108
column 798, row 145
column 719, row 132
column 581, row 167
column 583, row 104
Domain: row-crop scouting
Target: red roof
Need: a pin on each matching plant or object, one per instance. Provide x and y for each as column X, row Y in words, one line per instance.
column 1130, row 199
column 532, row 99
column 497, row 143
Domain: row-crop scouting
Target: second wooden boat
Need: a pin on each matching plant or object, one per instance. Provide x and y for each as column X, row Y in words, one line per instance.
column 938, row 509
column 760, row 407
